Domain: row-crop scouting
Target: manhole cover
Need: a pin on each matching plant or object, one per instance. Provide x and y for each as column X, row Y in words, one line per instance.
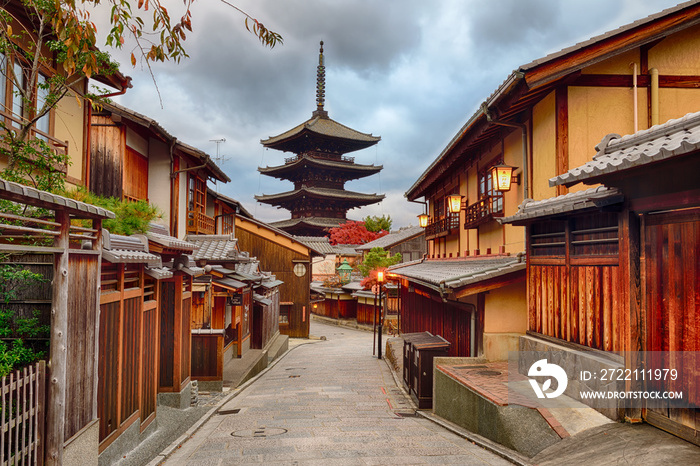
column 487, row 372
column 260, row 432
column 295, row 369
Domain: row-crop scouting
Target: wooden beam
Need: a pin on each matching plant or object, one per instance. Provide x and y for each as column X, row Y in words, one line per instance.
column 562, row 134
column 643, row 80
column 490, row 284
column 56, row 401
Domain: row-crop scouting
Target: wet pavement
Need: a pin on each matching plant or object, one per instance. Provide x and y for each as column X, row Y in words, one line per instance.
column 325, row 402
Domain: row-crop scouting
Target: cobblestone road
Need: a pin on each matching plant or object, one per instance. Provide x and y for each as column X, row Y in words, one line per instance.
column 327, row 402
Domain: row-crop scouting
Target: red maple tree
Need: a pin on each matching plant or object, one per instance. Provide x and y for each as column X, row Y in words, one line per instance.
column 352, row 232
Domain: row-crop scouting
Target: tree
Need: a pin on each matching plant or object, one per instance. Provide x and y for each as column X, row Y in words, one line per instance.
column 377, row 259
column 375, row 223
column 352, row 232
column 41, row 35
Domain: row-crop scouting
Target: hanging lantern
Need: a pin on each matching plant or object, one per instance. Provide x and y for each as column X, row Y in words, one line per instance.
column 454, row 203
column 423, row 220
column 502, row 175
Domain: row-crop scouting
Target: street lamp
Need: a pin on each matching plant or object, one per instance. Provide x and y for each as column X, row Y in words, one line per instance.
column 380, row 282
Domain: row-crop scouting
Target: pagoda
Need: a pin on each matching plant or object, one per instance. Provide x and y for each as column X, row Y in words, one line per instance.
column 319, row 170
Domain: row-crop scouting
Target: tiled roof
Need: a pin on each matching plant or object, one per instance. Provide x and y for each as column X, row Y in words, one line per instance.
column 393, row 238
column 346, row 250
column 120, row 249
column 228, row 283
column 214, row 247
column 323, row 126
column 323, row 222
column 674, row 138
column 593, row 197
column 159, row 273
column 170, row 242
column 362, row 170
column 20, row 193
column 321, row 193
column 262, row 299
column 445, row 275
column 280, row 232
column 318, row 243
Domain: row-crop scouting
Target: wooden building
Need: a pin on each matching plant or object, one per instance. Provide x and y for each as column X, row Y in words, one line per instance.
column 409, row 242
column 542, row 120
column 70, row 410
column 236, row 307
column 290, row 261
column 65, row 127
column 319, row 170
column 133, row 157
column 615, row 268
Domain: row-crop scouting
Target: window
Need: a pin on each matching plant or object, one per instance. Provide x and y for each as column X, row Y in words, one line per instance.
column 487, row 191
column 195, row 198
column 42, row 93
column 17, row 101
column 592, row 235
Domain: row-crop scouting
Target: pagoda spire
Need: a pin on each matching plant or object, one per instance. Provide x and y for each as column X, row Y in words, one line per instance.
column 320, row 86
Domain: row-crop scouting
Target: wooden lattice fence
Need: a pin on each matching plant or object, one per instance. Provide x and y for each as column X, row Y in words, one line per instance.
column 22, row 395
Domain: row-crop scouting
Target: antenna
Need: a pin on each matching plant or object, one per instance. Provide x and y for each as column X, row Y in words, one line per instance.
column 219, row 159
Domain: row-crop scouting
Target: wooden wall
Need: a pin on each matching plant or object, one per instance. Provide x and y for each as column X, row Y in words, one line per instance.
column 107, row 148
column 175, row 339
column 422, row 310
column 574, row 281
column 278, row 259
column 208, row 357
column 120, row 349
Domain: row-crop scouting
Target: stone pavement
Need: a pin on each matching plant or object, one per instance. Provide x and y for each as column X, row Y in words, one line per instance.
column 327, row 402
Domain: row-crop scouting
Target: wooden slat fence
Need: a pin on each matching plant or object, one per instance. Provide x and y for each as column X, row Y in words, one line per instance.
column 22, row 395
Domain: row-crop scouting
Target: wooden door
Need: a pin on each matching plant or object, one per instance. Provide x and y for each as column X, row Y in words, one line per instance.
column 672, row 304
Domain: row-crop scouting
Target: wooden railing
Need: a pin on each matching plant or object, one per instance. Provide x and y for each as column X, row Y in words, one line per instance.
column 483, row 210
column 61, row 147
column 22, row 395
column 321, row 156
column 200, row 224
column 443, row 225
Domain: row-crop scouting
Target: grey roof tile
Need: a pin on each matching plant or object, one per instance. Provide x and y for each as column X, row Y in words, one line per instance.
column 590, row 198
column 454, row 274
column 616, row 154
column 214, row 247
column 393, row 238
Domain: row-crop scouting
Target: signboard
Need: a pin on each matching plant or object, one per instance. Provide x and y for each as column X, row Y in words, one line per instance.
column 236, row 299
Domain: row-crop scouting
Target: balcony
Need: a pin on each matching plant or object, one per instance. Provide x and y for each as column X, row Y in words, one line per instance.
column 321, row 156
column 60, row 147
column 482, row 211
column 200, row 224
column 442, row 227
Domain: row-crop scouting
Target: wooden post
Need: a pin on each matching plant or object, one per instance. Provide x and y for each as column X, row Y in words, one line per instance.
column 97, row 246
column 633, row 343
column 56, row 404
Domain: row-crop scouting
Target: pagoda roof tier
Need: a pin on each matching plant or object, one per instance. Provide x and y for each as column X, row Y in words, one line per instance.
column 313, row 222
column 336, row 196
column 321, row 133
column 295, row 166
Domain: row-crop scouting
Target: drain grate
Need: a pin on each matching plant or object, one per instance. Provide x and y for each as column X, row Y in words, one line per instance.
column 260, row 432
column 294, row 376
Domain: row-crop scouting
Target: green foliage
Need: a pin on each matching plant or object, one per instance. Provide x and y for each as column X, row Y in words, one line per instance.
column 377, row 258
column 33, row 162
column 13, row 281
column 377, row 224
column 131, row 216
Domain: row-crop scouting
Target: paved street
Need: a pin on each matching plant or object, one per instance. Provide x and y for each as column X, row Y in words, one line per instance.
column 326, row 402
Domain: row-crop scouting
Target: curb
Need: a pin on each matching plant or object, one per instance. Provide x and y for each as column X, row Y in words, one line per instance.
column 495, row 448
column 163, row 455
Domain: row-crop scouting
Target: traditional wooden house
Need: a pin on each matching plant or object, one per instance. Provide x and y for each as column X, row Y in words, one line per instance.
column 144, row 345
column 236, row 307
column 289, row 259
column 133, row 157
column 319, row 170
column 409, row 242
column 64, row 427
column 471, row 287
column 65, row 127
column 614, row 269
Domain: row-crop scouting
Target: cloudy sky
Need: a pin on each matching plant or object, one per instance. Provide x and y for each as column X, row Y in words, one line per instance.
column 410, row 71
